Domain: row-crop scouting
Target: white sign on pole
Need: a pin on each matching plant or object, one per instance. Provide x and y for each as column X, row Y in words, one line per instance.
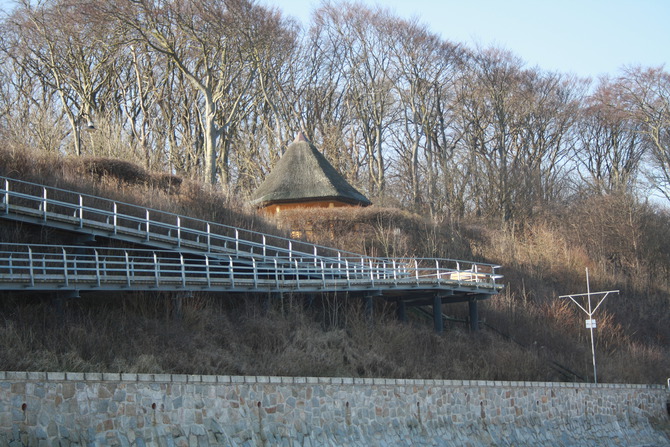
column 590, row 324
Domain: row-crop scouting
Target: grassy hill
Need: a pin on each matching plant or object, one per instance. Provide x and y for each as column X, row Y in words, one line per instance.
column 528, row 333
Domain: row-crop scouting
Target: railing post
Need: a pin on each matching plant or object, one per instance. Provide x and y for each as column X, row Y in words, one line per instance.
column 147, row 221
column 156, row 268
column 290, row 251
column 209, row 238
column 395, row 274
column 115, row 216
column 97, row 267
column 65, row 275
column 276, row 274
column 315, row 255
column 81, row 211
column 44, row 203
column 297, row 275
column 346, row 266
column 264, row 247
column 323, row 274
column 30, row 267
column 6, row 196
column 416, row 269
column 458, row 274
column 11, row 265
column 127, row 268
column 183, row 270
column 437, row 271
column 178, row 231
column 372, row 274
column 253, row 263
column 232, row 272
column 237, row 240
column 209, row 279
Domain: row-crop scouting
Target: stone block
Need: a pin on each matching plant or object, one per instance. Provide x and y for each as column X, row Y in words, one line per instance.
column 16, row 375
column 111, row 377
column 74, row 376
column 179, row 378
column 224, row 379
column 93, row 377
column 208, row 379
column 37, row 376
column 55, row 376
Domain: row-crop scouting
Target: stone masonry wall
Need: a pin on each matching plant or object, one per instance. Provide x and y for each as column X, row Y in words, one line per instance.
column 97, row 409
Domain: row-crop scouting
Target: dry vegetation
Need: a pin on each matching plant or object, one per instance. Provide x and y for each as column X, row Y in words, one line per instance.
column 528, row 333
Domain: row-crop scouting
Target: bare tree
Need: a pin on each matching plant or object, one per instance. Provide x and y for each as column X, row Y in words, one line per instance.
column 58, row 43
column 646, row 96
column 610, row 147
column 550, row 105
column 205, row 42
column 428, row 68
column 366, row 36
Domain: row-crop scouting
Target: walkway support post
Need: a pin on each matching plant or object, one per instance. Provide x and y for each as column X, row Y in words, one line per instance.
column 438, row 323
column 369, row 314
column 474, row 314
column 401, row 311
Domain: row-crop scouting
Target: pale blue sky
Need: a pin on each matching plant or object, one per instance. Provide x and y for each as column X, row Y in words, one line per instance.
column 584, row 37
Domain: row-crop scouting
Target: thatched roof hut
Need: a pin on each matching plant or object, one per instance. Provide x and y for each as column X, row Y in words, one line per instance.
column 303, row 178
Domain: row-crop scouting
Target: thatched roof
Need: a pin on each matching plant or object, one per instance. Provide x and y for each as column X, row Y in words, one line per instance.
column 303, row 174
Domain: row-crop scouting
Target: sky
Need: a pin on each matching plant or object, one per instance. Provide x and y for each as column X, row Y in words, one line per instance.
column 588, row 38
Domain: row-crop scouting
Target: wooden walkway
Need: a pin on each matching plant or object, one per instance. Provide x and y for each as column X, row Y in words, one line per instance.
column 180, row 253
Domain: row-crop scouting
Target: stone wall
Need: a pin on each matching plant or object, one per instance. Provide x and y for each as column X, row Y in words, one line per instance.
column 76, row 409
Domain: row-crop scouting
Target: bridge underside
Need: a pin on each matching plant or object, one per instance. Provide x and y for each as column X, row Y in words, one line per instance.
column 428, row 305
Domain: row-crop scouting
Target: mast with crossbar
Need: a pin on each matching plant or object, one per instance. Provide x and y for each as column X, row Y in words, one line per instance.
column 589, row 310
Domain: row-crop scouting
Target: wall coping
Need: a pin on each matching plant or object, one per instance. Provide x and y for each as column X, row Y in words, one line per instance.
column 282, row 380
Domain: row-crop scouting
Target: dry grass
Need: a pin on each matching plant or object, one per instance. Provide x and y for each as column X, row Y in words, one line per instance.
column 329, row 336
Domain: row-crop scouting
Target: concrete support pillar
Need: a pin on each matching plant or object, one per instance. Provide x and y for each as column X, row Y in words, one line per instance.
column 401, row 311
column 437, row 314
column 369, row 314
column 178, row 307
column 474, row 314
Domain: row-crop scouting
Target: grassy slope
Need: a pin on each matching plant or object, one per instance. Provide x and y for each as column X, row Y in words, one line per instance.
column 328, row 337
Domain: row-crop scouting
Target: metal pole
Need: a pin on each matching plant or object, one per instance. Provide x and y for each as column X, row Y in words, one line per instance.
column 589, row 310
column 593, row 346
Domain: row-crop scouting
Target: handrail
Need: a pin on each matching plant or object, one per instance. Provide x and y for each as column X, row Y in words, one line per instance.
column 50, row 267
column 88, row 213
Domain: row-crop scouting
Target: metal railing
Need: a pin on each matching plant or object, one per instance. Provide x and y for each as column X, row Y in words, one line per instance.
column 94, row 215
column 49, row 267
